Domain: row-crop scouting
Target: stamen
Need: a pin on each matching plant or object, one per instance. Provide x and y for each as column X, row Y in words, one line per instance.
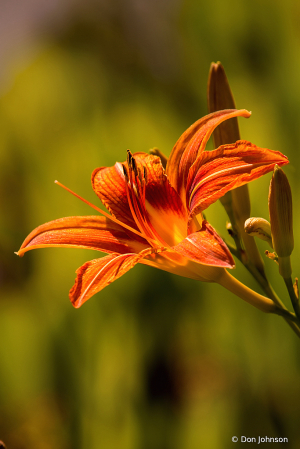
column 142, row 216
column 125, row 173
column 110, row 217
column 138, row 222
column 134, row 202
column 140, row 177
column 129, row 158
column 134, row 166
column 136, row 195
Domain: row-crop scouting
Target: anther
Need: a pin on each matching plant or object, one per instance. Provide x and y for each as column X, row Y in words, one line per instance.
column 134, row 166
column 125, row 173
column 129, row 157
column 139, row 174
column 145, row 174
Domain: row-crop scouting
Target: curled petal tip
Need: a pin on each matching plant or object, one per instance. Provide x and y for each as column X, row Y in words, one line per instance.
column 21, row 251
column 246, row 113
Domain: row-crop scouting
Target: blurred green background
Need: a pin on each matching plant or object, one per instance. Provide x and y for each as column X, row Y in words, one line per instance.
column 154, row 361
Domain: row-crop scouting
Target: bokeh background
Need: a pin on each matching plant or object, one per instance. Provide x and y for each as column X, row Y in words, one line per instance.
column 154, row 361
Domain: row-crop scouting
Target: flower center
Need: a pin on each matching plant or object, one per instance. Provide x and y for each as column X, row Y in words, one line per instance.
column 135, row 183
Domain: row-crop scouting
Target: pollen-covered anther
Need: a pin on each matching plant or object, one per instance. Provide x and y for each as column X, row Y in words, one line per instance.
column 131, row 162
column 129, row 157
column 134, row 166
column 135, row 187
column 135, row 174
column 272, row 256
column 230, row 229
column 125, row 172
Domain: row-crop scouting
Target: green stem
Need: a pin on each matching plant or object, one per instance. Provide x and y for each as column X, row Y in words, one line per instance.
column 235, row 232
column 255, row 299
column 294, row 299
column 265, row 285
column 242, row 291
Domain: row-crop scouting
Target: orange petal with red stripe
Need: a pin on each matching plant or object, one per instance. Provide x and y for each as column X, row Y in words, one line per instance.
column 93, row 276
column 109, row 185
column 206, row 247
column 165, row 210
column 216, row 172
column 90, row 232
column 192, row 143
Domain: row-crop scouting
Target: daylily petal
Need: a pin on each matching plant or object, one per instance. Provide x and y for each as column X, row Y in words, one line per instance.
column 90, row 232
column 163, row 158
column 109, row 184
column 93, row 276
column 166, row 212
column 192, row 143
column 229, row 166
column 206, row 247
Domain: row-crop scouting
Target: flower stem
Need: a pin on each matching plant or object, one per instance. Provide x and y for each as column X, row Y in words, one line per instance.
column 265, row 285
column 294, row 299
column 260, row 302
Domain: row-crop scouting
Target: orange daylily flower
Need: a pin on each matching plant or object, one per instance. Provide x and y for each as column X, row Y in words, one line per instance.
column 156, row 214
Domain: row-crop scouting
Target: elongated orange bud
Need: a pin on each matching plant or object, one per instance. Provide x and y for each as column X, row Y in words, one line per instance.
column 281, row 218
column 236, row 202
column 219, row 96
column 281, row 213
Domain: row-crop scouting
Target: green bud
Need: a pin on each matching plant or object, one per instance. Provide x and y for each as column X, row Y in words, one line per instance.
column 281, row 213
column 281, row 218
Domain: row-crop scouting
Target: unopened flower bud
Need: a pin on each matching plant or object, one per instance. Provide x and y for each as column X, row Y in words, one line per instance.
column 219, row 96
column 281, row 218
column 281, row 213
column 237, row 201
column 259, row 227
